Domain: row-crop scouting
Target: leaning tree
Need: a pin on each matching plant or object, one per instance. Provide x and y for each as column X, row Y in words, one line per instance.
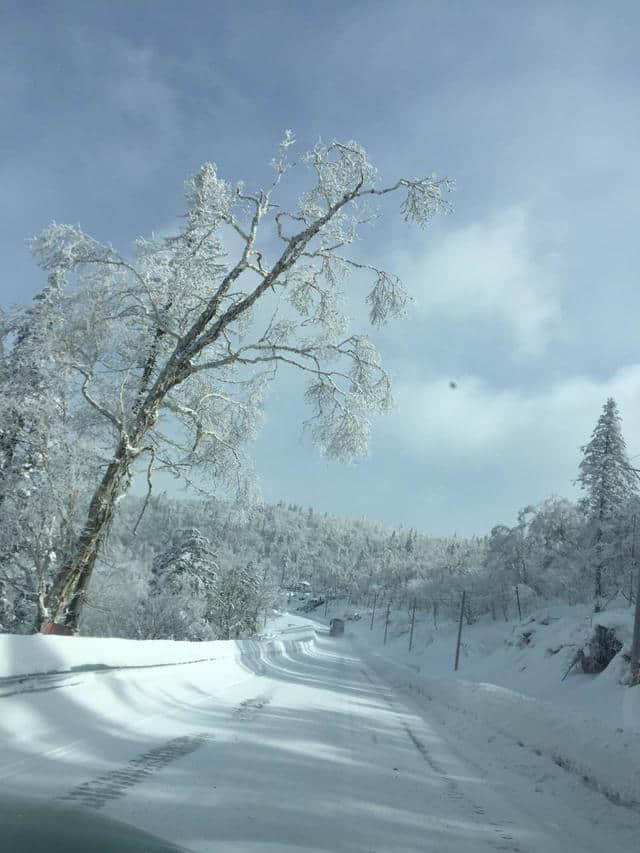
column 174, row 346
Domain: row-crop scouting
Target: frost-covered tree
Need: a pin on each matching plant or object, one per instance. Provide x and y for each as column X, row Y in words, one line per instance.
column 173, row 347
column 502, row 564
column 541, row 554
column 6, row 608
column 172, row 617
column 265, row 595
column 609, row 482
column 188, row 566
column 555, row 543
column 182, row 586
column 28, row 407
column 41, row 470
column 233, row 608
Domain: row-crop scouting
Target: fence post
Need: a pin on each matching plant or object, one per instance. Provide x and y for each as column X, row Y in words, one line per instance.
column 373, row 612
column 386, row 623
column 518, row 601
column 459, row 630
column 413, row 619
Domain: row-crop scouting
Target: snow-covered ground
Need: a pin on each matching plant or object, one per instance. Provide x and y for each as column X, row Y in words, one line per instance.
column 297, row 742
column 39, row 654
column 510, row 682
column 531, row 656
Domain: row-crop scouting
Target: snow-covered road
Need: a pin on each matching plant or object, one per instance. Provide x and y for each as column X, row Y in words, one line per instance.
column 308, row 750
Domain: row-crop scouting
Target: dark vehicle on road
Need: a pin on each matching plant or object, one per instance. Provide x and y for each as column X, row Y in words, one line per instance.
column 311, row 604
column 336, row 627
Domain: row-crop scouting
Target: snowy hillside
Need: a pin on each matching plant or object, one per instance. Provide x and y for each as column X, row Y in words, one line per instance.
column 531, row 656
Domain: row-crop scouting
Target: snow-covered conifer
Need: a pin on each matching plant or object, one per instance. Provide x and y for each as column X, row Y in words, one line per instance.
column 609, row 482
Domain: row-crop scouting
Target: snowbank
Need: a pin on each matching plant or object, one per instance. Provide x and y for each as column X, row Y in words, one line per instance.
column 72, row 698
column 608, row 759
column 510, row 682
column 38, row 654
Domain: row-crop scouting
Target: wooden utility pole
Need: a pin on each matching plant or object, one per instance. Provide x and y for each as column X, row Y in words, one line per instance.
column 373, row 612
column 413, row 619
column 386, row 623
column 459, row 630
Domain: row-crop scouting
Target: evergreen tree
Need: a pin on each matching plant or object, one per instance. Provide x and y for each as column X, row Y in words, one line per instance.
column 609, row 482
column 188, row 566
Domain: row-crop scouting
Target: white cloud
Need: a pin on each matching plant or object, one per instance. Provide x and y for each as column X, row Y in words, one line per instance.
column 475, row 423
column 136, row 106
column 492, row 273
column 138, row 88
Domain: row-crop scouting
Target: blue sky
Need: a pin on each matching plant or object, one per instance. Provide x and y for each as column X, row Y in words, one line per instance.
column 527, row 296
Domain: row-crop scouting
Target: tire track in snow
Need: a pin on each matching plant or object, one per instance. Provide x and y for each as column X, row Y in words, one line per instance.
column 37, row 682
column 19, row 766
column 505, row 841
column 115, row 783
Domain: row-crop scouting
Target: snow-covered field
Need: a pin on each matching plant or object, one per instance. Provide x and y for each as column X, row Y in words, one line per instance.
column 303, row 742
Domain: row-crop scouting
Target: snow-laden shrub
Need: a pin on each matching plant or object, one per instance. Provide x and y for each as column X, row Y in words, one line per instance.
column 601, row 649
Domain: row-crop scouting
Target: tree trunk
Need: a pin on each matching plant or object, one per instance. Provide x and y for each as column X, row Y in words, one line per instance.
column 65, row 599
column 41, row 607
column 597, row 602
column 635, row 643
column 67, row 593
